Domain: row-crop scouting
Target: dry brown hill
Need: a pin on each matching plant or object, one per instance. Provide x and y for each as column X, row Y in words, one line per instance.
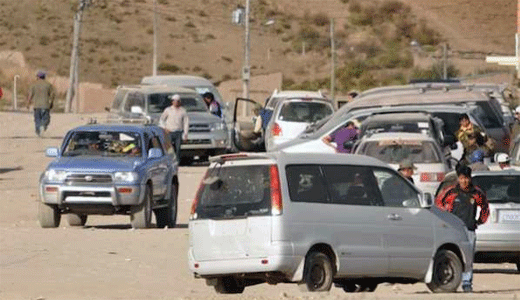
column 197, row 37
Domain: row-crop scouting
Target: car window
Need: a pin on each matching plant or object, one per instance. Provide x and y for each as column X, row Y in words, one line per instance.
column 103, row 143
column 395, row 190
column 500, row 189
column 394, row 151
column 156, row 143
column 157, row 103
column 118, row 99
column 134, row 99
column 306, row 184
column 396, row 126
column 351, row 185
column 304, row 111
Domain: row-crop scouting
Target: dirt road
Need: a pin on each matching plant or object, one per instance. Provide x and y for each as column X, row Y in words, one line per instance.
column 108, row 260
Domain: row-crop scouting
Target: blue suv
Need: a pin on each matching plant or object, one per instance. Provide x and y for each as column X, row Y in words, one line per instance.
column 107, row 169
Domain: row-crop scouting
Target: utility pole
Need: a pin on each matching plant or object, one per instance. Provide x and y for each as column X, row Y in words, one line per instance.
column 246, row 71
column 154, row 71
column 73, row 90
column 444, row 62
column 333, row 61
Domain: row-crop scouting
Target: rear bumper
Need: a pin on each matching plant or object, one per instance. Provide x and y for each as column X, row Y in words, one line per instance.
column 497, row 246
column 286, row 264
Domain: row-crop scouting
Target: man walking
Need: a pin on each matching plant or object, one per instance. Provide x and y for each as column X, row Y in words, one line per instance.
column 175, row 121
column 42, row 94
column 462, row 200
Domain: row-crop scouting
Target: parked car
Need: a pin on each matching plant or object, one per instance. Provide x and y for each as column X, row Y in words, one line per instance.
column 105, row 169
column 208, row 134
column 422, row 150
column 250, row 224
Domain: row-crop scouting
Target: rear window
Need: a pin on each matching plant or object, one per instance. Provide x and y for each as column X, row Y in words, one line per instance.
column 304, row 111
column 411, row 126
column 236, row 191
column 394, row 151
column 500, row 189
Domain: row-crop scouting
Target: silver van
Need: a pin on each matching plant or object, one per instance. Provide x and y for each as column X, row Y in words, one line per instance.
column 317, row 220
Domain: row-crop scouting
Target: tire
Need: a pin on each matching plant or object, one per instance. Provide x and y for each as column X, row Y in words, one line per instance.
column 167, row 216
column 48, row 215
column 76, row 220
column 141, row 215
column 318, row 273
column 447, row 272
column 229, row 285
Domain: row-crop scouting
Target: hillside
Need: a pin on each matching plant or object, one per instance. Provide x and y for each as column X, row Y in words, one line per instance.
column 197, row 37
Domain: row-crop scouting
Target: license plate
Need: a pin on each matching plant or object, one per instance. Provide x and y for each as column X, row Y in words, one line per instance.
column 510, row 216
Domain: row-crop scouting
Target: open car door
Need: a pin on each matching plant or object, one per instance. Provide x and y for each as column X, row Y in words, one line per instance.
column 244, row 117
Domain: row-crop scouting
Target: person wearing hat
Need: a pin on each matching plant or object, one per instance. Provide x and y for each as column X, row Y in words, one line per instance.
column 42, row 95
column 406, row 169
column 504, row 161
column 175, row 121
column 462, row 199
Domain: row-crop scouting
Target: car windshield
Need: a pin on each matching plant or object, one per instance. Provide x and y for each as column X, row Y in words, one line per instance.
column 395, row 126
column 304, row 111
column 394, row 151
column 103, row 143
column 235, row 192
column 500, row 189
column 157, row 103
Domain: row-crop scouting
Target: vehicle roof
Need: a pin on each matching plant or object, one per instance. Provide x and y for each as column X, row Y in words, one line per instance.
column 507, row 172
column 398, row 116
column 158, row 88
column 297, row 94
column 397, row 136
column 310, row 158
column 183, row 80
column 118, row 127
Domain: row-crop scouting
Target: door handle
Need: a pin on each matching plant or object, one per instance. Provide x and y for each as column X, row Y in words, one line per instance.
column 394, row 217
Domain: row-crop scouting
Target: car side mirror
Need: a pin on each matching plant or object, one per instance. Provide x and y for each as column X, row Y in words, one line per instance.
column 51, row 152
column 154, row 153
column 136, row 110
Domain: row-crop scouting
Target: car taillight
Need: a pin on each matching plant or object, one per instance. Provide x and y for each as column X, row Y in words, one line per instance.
column 195, row 202
column 276, row 130
column 276, row 193
column 432, row 177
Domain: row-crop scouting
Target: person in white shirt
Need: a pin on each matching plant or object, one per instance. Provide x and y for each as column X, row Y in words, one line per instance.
column 175, row 121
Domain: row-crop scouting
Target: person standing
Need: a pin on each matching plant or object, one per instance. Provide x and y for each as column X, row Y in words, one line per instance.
column 462, row 200
column 515, row 129
column 213, row 105
column 42, row 94
column 175, row 121
column 406, row 169
column 340, row 137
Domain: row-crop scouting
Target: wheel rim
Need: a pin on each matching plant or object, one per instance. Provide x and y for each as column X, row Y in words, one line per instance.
column 317, row 276
column 445, row 271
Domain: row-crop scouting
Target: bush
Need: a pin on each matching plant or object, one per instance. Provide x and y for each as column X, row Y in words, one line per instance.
column 321, row 19
column 168, row 67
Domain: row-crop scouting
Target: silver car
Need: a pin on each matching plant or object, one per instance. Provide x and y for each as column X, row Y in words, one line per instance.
column 317, row 220
column 498, row 240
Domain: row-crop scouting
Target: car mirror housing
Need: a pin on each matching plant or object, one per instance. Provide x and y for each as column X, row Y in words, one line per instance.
column 154, row 153
column 52, row 152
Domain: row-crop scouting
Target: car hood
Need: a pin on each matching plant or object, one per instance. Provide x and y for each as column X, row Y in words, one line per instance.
column 96, row 164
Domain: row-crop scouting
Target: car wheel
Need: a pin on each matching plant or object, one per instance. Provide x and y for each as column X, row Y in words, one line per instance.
column 167, row 216
column 229, row 285
column 447, row 272
column 76, row 220
column 317, row 274
column 141, row 215
column 48, row 215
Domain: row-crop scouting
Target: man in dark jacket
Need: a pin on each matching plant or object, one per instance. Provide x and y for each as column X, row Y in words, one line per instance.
column 462, row 200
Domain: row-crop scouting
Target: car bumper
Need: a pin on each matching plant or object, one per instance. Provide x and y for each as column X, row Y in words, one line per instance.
column 214, row 140
column 118, row 195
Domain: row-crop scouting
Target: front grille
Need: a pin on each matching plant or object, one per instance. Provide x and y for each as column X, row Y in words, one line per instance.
column 88, row 178
column 199, row 128
column 198, row 142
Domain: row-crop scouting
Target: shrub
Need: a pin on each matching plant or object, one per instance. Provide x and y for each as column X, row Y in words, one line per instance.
column 44, row 40
column 189, row 24
column 227, row 59
column 168, row 67
column 321, row 19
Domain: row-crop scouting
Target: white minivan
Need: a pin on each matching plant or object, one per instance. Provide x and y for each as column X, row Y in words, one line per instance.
column 319, row 219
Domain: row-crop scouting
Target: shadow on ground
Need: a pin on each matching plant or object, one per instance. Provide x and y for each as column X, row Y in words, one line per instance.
column 7, row 170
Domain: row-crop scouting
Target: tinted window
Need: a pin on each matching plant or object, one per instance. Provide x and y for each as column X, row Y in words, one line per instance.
column 396, row 126
column 306, row 184
column 395, row 190
column 487, row 115
column 351, row 185
column 103, row 143
column 500, row 189
column 304, row 111
column 235, row 192
column 394, row 151
column 451, row 122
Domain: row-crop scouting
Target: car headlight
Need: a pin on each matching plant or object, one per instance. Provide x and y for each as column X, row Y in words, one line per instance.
column 57, row 176
column 219, row 126
column 125, row 177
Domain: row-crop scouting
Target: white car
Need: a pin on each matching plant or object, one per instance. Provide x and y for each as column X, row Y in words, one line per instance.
column 292, row 112
column 421, row 149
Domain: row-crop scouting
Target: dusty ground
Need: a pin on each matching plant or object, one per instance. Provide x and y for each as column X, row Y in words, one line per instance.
column 108, row 260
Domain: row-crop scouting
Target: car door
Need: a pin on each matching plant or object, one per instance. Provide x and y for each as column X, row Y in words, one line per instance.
column 409, row 236
column 243, row 136
column 153, row 166
column 161, row 167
